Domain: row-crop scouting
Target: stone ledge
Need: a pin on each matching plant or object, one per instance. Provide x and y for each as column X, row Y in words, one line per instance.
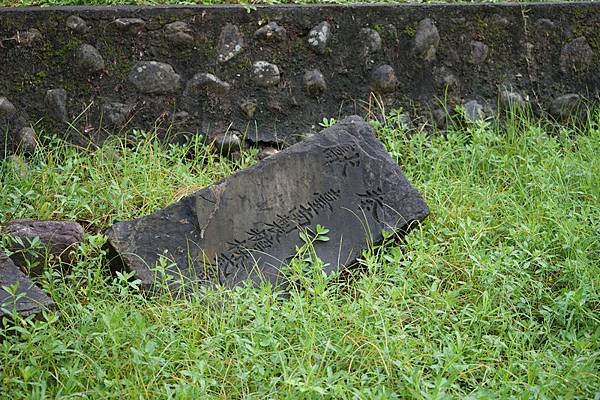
column 274, row 72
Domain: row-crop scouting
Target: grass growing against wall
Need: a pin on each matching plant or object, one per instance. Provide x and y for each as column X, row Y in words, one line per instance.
column 497, row 294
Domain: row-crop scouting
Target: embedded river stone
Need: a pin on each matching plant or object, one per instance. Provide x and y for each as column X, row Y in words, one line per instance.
column 153, row 77
column 247, row 226
column 28, row 299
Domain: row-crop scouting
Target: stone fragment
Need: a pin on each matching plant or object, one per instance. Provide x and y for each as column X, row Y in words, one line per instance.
column 248, row 226
column 427, row 39
column 153, row 77
column 57, row 239
column 19, row 165
column 479, row 52
column 271, row 32
column 205, row 84
column 227, row 143
column 576, row 56
column 231, row 43
column 115, row 114
column 28, row 299
column 130, row 25
column 319, row 36
column 474, row 111
column 266, row 152
column 266, row 74
column 440, row 118
column 27, row 140
column 248, row 107
column 544, row 26
column 28, row 38
column 510, row 99
column 383, row 79
column 566, row 105
column 89, row 59
column 370, row 40
column 77, row 24
column 7, row 109
column 314, row 82
column 56, row 104
column 179, row 33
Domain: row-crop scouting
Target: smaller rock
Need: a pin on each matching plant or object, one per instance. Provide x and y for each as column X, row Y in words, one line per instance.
column 115, row 114
column 383, row 79
column 153, row 77
column 205, row 84
column 57, row 239
column 440, row 118
column 130, row 25
column 19, row 165
column 566, row 105
column 179, row 33
column 576, row 56
column 544, row 26
column 319, row 37
column 266, row 152
column 231, row 43
column 28, row 299
column 248, row 107
column 479, row 52
column 227, row 143
column 28, row 38
column 77, row 24
column 266, row 74
column 271, row 32
column 7, row 109
column 314, row 82
column 89, row 59
column 474, row 111
column 180, row 117
column 371, row 40
column 510, row 100
column 427, row 39
column 56, row 104
column 27, row 140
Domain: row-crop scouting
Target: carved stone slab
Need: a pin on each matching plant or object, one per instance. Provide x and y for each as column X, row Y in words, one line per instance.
column 247, row 226
column 28, row 299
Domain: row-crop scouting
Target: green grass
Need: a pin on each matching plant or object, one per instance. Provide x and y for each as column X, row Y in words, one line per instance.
column 496, row 295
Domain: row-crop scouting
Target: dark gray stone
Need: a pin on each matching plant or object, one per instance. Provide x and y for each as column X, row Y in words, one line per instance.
column 57, row 240
column 427, row 39
column 205, row 84
column 179, row 33
column 319, row 36
column 247, row 226
column 474, row 111
column 576, row 56
column 440, row 118
column 56, row 104
column 271, row 32
column 89, row 59
column 371, row 40
column 7, row 109
column 510, row 99
column 314, row 82
column 27, row 140
column 265, row 74
column 153, row 77
column 383, row 79
column 115, row 114
column 544, row 26
column 248, row 107
column 231, row 43
column 479, row 52
column 77, row 24
column 28, row 299
column 130, row 25
column 566, row 105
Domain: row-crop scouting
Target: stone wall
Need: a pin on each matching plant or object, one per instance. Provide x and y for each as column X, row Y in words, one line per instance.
column 272, row 73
